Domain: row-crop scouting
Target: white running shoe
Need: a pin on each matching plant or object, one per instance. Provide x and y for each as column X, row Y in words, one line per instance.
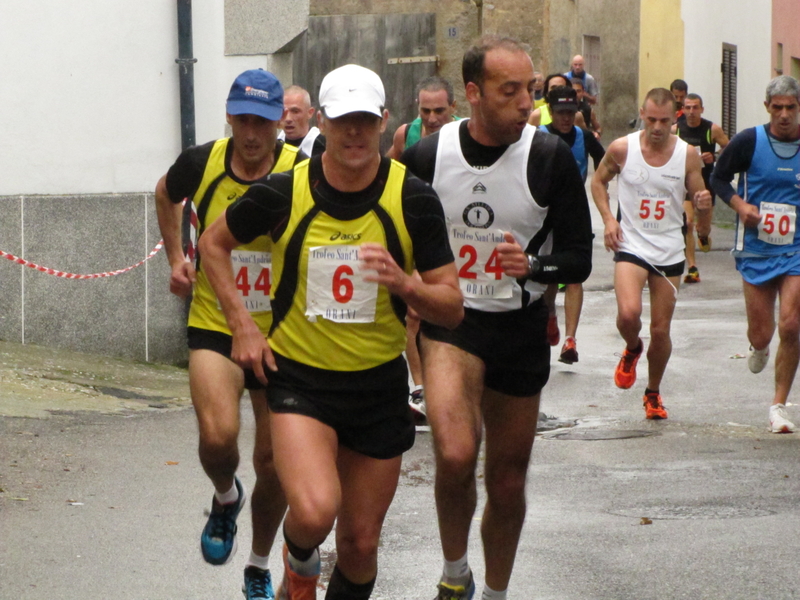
column 778, row 422
column 757, row 359
column 417, row 403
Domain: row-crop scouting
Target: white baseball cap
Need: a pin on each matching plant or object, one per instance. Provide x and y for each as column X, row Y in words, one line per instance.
column 349, row 89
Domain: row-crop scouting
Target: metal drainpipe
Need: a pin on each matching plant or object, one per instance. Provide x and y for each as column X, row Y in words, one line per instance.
column 186, row 62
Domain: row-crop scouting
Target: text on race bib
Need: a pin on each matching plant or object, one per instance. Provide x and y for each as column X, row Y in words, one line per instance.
column 479, row 272
column 651, row 212
column 777, row 224
column 252, row 273
column 335, row 288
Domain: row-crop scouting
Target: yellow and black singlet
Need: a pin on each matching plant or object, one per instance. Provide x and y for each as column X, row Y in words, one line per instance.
column 325, row 315
column 251, row 262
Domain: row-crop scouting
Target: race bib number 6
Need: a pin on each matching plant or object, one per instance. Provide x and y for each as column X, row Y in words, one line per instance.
column 479, row 272
column 251, row 270
column 335, row 288
column 777, row 224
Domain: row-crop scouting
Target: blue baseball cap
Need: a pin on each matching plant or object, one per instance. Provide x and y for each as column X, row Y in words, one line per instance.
column 256, row 92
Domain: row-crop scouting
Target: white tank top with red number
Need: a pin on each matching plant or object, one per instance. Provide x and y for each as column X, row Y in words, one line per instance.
column 479, row 205
column 651, row 205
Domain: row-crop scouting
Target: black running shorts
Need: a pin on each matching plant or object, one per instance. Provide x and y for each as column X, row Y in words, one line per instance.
column 675, row 270
column 368, row 409
column 221, row 343
column 512, row 345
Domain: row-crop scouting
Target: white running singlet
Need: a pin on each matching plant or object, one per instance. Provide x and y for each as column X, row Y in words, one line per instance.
column 481, row 203
column 651, row 205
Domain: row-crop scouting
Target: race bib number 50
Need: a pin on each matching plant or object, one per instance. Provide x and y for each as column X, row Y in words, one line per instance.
column 479, row 272
column 335, row 288
column 777, row 224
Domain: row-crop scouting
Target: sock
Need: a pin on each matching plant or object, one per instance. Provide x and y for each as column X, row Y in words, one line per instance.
column 341, row 588
column 490, row 594
column 303, row 561
column 229, row 497
column 649, row 391
column 262, row 562
column 456, row 572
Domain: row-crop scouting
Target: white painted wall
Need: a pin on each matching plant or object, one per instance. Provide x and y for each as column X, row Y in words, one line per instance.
column 89, row 92
column 744, row 23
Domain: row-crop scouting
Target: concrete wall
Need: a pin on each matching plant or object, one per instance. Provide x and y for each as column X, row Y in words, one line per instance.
column 130, row 315
column 661, row 45
column 735, row 22
column 786, row 31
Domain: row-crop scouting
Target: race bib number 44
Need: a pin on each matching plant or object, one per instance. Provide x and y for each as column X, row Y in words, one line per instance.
column 479, row 272
column 777, row 224
column 251, row 270
column 335, row 289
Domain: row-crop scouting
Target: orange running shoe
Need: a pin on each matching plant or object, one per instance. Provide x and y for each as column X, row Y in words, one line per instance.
column 294, row 586
column 553, row 334
column 653, row 407
column 625, row 375
column 569, row 352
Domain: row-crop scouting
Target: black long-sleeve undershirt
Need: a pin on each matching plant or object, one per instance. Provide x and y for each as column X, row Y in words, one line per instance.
column 554, row 182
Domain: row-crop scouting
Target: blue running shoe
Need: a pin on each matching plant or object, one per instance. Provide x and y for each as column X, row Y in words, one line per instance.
column 218, row 542
column 257, row 584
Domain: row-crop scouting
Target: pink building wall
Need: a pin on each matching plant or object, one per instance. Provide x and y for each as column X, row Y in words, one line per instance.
column 786, row 31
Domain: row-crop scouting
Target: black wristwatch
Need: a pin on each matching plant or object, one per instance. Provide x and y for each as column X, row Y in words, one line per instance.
column 534, row 266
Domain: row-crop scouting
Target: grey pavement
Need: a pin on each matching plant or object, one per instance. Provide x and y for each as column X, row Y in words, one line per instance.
column 102, row 494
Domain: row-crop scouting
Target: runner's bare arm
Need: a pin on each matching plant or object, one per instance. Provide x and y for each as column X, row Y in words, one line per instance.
column 250, row 348
column 701, row 197
column 610, row 166
column 434, row 295
column 398, row 143
column 170, row 215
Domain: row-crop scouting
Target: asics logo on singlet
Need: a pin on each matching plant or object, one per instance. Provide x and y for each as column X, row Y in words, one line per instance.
column 670, row 177
column 346, row 237
column 479, row 188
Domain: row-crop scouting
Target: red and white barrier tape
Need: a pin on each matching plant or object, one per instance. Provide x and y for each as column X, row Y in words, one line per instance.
column 49, row 271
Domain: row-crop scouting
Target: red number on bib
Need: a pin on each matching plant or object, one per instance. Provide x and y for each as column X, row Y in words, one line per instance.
column 465, row 272
column 262, row 283
column 783, row 225
column 342, row 287
column 644, row 210
column 659, row 211
column 493, row 265
column 242, row 283
column 769, row 223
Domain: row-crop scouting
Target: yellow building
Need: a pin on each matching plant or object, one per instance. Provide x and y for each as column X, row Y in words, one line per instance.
column 660, row 44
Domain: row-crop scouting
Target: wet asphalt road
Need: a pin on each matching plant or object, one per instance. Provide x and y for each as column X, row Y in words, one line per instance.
column 103, row 496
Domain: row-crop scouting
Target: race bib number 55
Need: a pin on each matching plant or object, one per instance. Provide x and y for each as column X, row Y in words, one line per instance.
column 335, row 288
column 777, row 224
column 479, row 272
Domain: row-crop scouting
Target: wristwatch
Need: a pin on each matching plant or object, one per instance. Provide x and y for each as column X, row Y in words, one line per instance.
column 534, row 266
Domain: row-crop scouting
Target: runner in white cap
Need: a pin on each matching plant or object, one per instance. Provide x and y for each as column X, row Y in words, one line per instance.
column 348, row 228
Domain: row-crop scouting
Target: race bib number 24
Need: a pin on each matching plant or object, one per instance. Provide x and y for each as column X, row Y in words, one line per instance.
column 479, row 272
